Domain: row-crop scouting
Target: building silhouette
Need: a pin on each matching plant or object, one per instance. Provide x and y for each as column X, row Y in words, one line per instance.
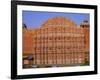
column 58, row 42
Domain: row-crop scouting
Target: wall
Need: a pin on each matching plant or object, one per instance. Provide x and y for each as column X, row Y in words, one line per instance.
column 5, row 29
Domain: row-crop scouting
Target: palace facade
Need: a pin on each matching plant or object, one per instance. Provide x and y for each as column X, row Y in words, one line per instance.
column 58, row 42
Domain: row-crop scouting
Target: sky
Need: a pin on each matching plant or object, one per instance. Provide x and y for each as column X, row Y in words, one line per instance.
column 34, row 19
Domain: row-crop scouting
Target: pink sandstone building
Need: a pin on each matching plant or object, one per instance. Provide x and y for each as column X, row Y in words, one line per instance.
column 58, row 42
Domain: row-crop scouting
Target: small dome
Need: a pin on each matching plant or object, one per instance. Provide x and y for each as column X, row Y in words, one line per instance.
column 59, row 21
column 85, row 24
